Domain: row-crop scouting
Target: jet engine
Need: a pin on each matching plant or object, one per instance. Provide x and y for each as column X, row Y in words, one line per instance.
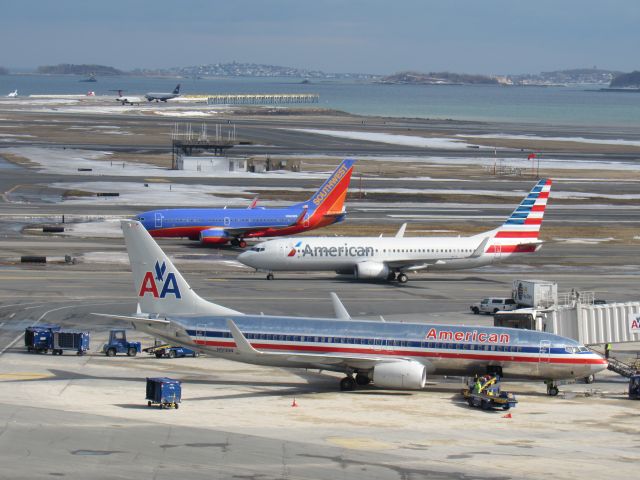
column 407, row 375
column 370, row 270
column 213, row 236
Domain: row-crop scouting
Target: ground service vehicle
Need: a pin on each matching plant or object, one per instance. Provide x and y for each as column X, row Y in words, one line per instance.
column 493, row 305
column 170, row 351
column 70, row 340
column 118, row 344
column 484, row 392
column 164, row 392
column 42, row 338
column 39, row 338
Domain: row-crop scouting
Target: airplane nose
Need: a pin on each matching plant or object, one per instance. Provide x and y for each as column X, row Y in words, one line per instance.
column 245, row 257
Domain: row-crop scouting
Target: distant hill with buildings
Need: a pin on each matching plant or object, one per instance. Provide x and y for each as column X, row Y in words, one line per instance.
column 71, row 69
column 564, row 77
column 441, row 78
column 235, row 69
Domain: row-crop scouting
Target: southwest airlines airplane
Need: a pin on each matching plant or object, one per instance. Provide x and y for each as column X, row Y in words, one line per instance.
column 392, row 258
column 389, row 354
column 218, row 226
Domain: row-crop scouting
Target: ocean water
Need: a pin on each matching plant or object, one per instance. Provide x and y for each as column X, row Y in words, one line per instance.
column 575, row 105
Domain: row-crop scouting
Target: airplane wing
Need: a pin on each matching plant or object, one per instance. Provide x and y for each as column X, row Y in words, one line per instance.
column 244, row 230
column 323, row 361
column 134, row 319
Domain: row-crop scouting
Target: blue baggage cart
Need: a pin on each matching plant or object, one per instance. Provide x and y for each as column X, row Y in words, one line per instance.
column 164, row 392
column 74, row 340
column 39, row 338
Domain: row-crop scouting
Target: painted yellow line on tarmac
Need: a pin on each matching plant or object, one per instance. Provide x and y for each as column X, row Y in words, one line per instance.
column 24, row 376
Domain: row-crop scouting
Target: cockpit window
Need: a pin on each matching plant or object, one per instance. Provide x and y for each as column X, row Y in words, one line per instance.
column 257, row 249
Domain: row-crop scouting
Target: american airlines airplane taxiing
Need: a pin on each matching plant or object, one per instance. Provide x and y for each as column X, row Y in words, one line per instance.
column 393, row 257
column 219, row 226
column 389, row 354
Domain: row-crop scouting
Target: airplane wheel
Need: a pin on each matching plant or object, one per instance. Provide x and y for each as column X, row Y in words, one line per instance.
column 402, row 278
column 347, row 384
column 589, row 379
column 362, row 379
column 242, row 244
column 552, row 391
column 270, row 276
column 235, row 242
column 391, row 277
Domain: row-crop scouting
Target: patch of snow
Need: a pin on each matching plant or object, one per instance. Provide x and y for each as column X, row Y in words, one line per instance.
column 601, row 141
column 406, row 140
column 585, row 241
column 109, row 228
column 192, row 113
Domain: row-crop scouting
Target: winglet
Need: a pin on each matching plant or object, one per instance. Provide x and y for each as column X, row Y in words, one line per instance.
column 300, row 219
column 254, row 202
column 242, row 344
column 338, row 308
column 401, row 230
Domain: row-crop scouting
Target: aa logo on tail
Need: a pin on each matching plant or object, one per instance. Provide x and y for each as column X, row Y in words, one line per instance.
column 168, row 284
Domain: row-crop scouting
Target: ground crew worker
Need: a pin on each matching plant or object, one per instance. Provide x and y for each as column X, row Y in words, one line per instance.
column 477, row 387
column 607, row 350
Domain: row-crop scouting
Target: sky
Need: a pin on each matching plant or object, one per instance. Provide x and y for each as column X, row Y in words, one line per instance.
column 364, row 36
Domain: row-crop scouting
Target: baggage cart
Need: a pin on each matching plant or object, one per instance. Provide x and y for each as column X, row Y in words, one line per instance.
column 164, row 392
column 39, row 338
column 70, row 340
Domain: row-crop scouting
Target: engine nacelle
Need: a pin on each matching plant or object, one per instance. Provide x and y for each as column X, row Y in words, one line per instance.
column 370, row 270
column 406, row 375
column 214, row 236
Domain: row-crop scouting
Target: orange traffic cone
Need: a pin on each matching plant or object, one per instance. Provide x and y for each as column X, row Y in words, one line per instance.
column 294, row 403
column 508, row 415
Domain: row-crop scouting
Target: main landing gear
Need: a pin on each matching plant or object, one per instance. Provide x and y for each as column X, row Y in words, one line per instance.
column 401, row 277
column 238, row 242
column 348, row 383
column 270, row 276
column 552, row 388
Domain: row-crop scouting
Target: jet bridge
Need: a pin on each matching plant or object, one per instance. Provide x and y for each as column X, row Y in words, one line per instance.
column 586, row 322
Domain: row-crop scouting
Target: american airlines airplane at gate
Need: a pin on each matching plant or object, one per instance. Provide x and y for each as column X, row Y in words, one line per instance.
column 392, row 258
column 389, row 354
column 219, row 226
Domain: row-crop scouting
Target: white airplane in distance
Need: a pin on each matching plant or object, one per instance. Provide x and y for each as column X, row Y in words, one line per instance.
column 13, row 94
column 127, row 99
column 392, row 258
column 163, row 96
column 389, row 354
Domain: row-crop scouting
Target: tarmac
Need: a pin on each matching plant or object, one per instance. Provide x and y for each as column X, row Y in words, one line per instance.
column 86, row 416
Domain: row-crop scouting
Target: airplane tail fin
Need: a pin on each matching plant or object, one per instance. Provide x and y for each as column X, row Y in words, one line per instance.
column 520, row 232
column 160, row 287
column 329, row 198
column 176, row 90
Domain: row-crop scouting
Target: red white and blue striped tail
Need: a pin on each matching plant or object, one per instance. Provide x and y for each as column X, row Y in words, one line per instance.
column 519, row 234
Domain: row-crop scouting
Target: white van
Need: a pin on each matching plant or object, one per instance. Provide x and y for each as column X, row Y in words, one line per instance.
column 493, row 305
